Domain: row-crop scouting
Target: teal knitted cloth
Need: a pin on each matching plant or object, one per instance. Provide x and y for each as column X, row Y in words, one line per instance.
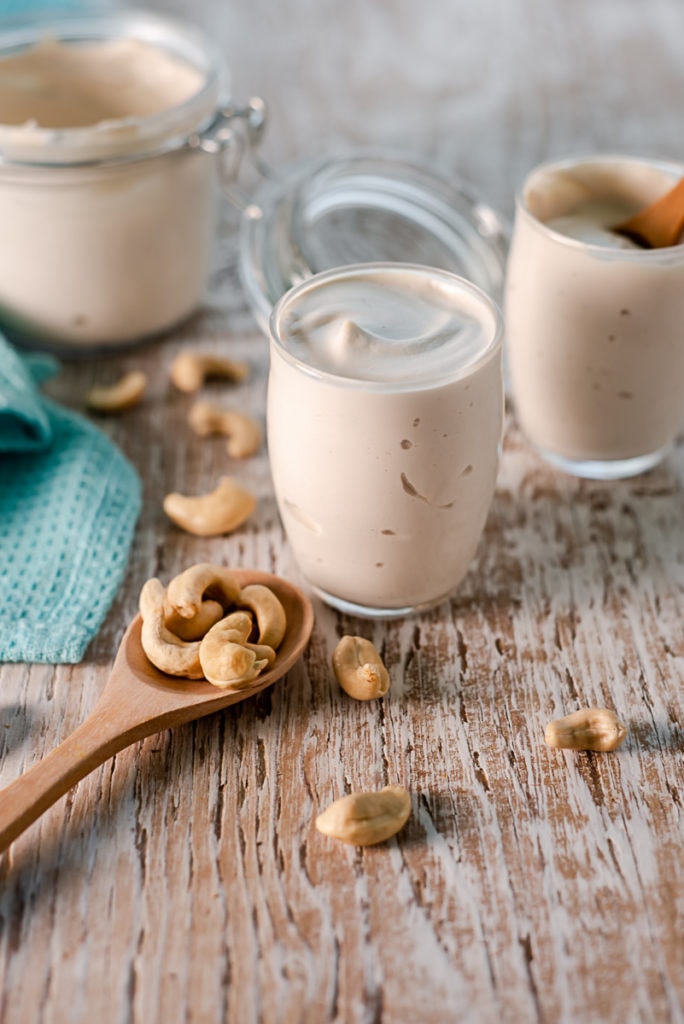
column 69, row 502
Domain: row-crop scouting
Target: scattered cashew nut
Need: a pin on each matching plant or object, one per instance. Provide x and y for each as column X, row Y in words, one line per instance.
column 187, row 591
column 244, row 433
column 209, row 515
column 209, row 613
column 227, row 660
column 359, row 668
column 587, row 729
column 165, row 650
column 364, row 819
column 270, row 614
column 189, row 370
column 126, row 393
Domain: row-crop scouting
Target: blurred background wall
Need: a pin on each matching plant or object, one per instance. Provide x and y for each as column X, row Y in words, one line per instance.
column 488, row 87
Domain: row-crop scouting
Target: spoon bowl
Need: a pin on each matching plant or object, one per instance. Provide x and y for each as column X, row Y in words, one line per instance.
column 659, row 225
column 138, row 701
column 178, row 696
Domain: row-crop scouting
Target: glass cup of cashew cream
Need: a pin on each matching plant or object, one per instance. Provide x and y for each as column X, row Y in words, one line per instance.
column 594, row 323
column 384, row 419
column 106, row 197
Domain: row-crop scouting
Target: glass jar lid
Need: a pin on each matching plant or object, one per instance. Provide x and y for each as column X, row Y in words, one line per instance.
column 365, row 208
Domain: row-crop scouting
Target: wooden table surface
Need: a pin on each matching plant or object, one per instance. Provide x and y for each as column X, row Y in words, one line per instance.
column 184, row 880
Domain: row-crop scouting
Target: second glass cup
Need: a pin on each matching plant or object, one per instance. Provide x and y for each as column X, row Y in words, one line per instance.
column 385, row 418
column 594, row 324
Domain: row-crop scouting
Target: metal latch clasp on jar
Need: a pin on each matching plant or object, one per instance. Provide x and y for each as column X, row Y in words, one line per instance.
column 235, row 132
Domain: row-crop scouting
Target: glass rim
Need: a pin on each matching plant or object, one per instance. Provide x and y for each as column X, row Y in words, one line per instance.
column 600, row 159
column 440, row 209
column 489, row 349
column 165, row 130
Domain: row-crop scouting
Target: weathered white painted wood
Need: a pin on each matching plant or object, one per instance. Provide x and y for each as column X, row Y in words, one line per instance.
column 184, row 880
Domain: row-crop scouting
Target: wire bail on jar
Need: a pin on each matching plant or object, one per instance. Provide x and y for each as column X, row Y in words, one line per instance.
column 234, row 132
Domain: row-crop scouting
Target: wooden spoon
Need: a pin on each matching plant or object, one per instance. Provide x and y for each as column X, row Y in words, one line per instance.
column 138, row 701
column 660, row 224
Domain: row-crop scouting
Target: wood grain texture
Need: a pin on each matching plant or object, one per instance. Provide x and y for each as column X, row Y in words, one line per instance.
column 184, row 880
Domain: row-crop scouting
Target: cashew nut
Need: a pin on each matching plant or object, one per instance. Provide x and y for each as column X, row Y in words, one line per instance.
column 364, row 819
column 586, row 729
column 244, row 433
column 189, row 370
column 226, row 659
column 359, row 669
column 120, row 396
column 208, row 515
column 270, row 614
column 235, row 627
column 263, row 651
column 165, row 650
column 187, row 591
column 209, row 613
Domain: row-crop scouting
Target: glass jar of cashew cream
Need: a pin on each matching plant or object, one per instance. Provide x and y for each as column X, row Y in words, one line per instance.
column 385, row 414
column 106, row 205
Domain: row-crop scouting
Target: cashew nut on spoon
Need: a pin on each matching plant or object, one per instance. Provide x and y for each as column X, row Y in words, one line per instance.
column 227, row 659
column 188, row 589
column 269, row 612
column 226, row 656
column 166, row 651
column 194, row 628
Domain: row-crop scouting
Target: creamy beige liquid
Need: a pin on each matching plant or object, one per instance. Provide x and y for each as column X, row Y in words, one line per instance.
column 55, row 85
column 593, row 322
column 384, row 425
column 591, row 223
column 92, row 251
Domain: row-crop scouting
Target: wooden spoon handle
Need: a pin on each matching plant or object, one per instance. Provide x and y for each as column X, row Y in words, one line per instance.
column 93, row 742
